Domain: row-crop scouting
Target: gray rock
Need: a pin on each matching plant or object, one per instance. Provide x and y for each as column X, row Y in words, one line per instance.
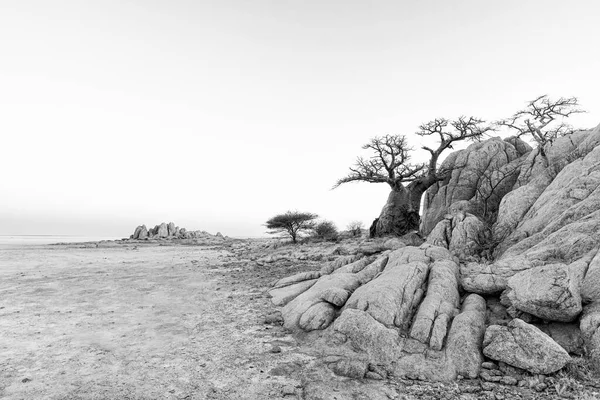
column 524, row 346
column 442, row 233
column 567, row 335
column 590, row 331
column 549, row 292
column 171, row 229
column 468, row 235
column 310, row 311
column 163, row 230
column 141, row 233
column 562, row 223
column 136, row 233
column 299, row 277
column 472, row 179
column 280, row 296
column 590, row 289
column 465, row 337
column 392, row 297
column 439, row 306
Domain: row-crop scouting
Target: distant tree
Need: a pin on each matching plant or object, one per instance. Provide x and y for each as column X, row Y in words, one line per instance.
column 543, row 119
column 326, row 230
column 390, row 163
column 292, row 223
column 355, row 228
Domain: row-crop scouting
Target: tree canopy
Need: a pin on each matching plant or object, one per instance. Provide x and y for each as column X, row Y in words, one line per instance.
column 543, row 119
column 391, row 154
column 292, row 223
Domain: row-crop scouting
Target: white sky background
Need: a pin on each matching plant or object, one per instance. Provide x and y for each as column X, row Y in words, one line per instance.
column 218, row 115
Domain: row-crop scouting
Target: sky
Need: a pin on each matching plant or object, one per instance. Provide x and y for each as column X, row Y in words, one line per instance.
column 217, row 115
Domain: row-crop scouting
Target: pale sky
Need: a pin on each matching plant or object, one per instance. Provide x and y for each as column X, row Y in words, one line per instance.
column 216, row 115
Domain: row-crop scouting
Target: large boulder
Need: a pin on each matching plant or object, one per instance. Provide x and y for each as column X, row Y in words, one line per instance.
column 171, row 229
column 549, row 292
column 463, row 233
column 163, row 230
column 482, row 174
column 524, row 346
column 141, row 233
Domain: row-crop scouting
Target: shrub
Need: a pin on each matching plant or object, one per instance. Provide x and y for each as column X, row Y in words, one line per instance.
column 326, row 230
column 355, row 228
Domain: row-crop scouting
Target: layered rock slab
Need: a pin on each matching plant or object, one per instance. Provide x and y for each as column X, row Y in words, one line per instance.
column 392, row 297
column 402, row 356
column 318, row 306
column 373, row 322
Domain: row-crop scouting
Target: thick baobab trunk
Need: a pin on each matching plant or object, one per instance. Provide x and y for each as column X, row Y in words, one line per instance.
column 400, row 214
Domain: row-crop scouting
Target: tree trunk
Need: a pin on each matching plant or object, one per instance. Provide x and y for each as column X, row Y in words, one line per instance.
column 400, row 215
column 397, row 216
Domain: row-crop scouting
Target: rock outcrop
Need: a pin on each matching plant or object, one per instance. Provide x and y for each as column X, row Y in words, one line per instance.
column 524, row 292
column 562, row 224
column 481, row 174
column 401, row 310
column 460, row 231
column 170, row 231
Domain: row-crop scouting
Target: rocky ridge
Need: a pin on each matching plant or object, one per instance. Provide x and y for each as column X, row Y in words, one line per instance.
column 516, row 293
column 169, row 231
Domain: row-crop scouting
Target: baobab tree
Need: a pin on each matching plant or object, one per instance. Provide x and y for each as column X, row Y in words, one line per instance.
column 390, row 163
column 543, row 119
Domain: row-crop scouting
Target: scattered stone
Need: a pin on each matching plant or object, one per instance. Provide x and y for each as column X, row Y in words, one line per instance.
column 509, row 380
column 350, row 368
column 288, row 390
column 275, row 349
column 488, row 365
column 273, row 318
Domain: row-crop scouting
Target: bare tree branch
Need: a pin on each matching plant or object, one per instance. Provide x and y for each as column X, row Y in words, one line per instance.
column 538, row 118
column 390, row 162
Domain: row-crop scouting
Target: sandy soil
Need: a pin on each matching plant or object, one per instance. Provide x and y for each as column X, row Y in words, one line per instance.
column 135, row 321
column 150, row 322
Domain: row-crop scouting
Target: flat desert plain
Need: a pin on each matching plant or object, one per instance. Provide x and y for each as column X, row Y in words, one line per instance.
column 155, row 321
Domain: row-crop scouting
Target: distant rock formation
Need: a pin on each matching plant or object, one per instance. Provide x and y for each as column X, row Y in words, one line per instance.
column 170, row 231
column 510, row 270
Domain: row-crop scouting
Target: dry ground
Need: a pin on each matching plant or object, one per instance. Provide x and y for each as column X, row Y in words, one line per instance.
column 147, row 322
column 164, row 322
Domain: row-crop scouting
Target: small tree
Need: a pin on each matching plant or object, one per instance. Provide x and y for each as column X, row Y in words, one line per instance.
column 292, row 223
column 326, row 230
column 543, row 119
column 355, row 228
